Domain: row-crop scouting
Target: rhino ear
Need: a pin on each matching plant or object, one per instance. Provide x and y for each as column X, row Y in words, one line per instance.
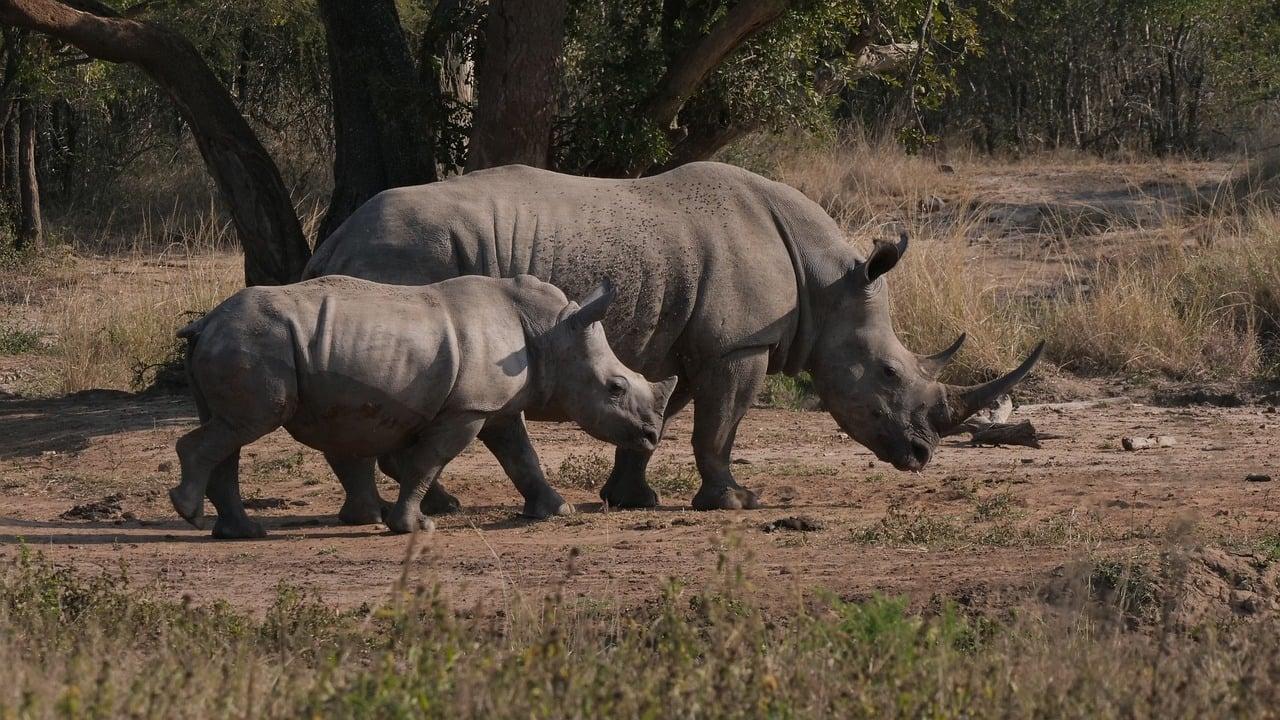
column 883, row 257
column 591, row 309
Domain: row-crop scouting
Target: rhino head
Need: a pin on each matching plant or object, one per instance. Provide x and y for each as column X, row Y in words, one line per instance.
column 604, row 397
column 883, row 395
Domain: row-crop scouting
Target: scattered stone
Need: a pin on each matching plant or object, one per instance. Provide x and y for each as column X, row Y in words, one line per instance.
column 798, row 523
column 1146, row 443
column 741, row 461
column 684, row 522
column 269, row 503
column 1257, row 477
column 164, row 467
column 946, row 169
column 649, row 525
column 108, row 508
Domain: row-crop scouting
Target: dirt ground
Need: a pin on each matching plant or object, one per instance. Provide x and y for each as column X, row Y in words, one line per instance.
column 977, row 520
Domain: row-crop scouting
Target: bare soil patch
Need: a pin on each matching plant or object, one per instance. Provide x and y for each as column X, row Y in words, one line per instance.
column 979, row 519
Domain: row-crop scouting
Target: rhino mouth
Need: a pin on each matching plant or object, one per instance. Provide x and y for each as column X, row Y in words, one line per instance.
column 913, row 457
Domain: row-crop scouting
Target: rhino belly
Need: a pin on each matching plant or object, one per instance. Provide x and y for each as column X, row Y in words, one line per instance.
column 339, row 417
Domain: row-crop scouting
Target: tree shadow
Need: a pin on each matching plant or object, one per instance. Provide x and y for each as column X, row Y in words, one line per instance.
column 31, row 426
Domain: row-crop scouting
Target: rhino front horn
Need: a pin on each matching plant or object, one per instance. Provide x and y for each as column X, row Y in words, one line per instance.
column 933, row 364
column 965, row 401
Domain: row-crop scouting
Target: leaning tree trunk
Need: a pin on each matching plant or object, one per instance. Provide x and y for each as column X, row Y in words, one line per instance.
column 380, row 110
column 517, row 77
column 275, row 250
column 30, row 223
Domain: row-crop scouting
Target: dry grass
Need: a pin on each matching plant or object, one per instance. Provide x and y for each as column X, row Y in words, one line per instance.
column 1189, row 294
column 1100, row 643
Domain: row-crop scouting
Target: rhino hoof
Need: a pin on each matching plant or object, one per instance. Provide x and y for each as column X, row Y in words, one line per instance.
column 629, row 498
column 404, row 522
column 542, row 509
column 189, row 505
column 440, row 503
column 227, row 529
column 360, row 514
column 725, row 498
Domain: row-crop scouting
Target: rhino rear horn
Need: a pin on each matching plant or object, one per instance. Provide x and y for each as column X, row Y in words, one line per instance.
column 965, row 401
column 933, row 364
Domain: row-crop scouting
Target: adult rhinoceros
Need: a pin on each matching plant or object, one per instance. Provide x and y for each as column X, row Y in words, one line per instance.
column 723, row 277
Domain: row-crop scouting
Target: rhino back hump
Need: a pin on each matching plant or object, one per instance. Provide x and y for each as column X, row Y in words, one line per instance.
column 697, row 253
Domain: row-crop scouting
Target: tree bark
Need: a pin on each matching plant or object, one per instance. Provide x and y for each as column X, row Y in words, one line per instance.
column 517, row 77
column 380, row 110
column 690, row 67
column 30, row 222
column 275, row 250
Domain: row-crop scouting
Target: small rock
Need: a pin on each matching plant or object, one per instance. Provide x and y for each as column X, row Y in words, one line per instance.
column 1146, row 443
column 1257, row 477
column 165, row 466
column 799, row 523
column 741, row 461
column 946, row 169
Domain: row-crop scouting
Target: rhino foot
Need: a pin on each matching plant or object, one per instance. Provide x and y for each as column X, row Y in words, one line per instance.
column 189, row 504
column 546, row 505
column 237, row 529
column 725, row 498
column 360, row 513
column 632, row 496
column 407, row 520
column 439, row 502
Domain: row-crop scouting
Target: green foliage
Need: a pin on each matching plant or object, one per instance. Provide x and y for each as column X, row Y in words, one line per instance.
column 17, row 341
column 1164, row 75
column 790, row 75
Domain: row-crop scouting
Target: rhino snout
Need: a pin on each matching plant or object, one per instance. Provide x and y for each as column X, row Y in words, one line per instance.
column 917, row 458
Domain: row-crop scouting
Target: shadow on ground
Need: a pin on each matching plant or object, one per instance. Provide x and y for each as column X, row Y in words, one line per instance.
column 29, row 426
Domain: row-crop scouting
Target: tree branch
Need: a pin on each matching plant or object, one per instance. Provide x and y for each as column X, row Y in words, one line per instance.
column 691, row 67
column 246, row 176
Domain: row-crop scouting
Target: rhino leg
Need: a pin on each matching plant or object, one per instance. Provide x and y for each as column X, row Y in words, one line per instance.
column 201, row 453
column 417, row 467
column 362, row 506
column 508, row 440
column 626, row 487
column 224, row 492
column 438, row 501
column 722, row 393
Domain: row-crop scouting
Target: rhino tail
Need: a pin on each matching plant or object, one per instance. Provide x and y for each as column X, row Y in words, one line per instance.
column 192, row 330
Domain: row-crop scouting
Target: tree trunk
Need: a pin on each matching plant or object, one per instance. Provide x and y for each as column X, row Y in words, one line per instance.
column 380, row 110
column 446, row 72
column 30, row 223
column 11, row 178
column 275, row 250
column 517, row 77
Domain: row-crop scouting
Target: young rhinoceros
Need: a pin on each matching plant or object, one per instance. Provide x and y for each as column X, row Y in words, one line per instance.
column 409, row 375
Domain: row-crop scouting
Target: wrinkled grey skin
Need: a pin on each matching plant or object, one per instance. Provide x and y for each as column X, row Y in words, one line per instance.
column 406, row 375
column 723, row 278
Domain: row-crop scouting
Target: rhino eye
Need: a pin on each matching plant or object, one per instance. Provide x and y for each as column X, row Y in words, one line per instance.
column 890, row 371
column 617, row 386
